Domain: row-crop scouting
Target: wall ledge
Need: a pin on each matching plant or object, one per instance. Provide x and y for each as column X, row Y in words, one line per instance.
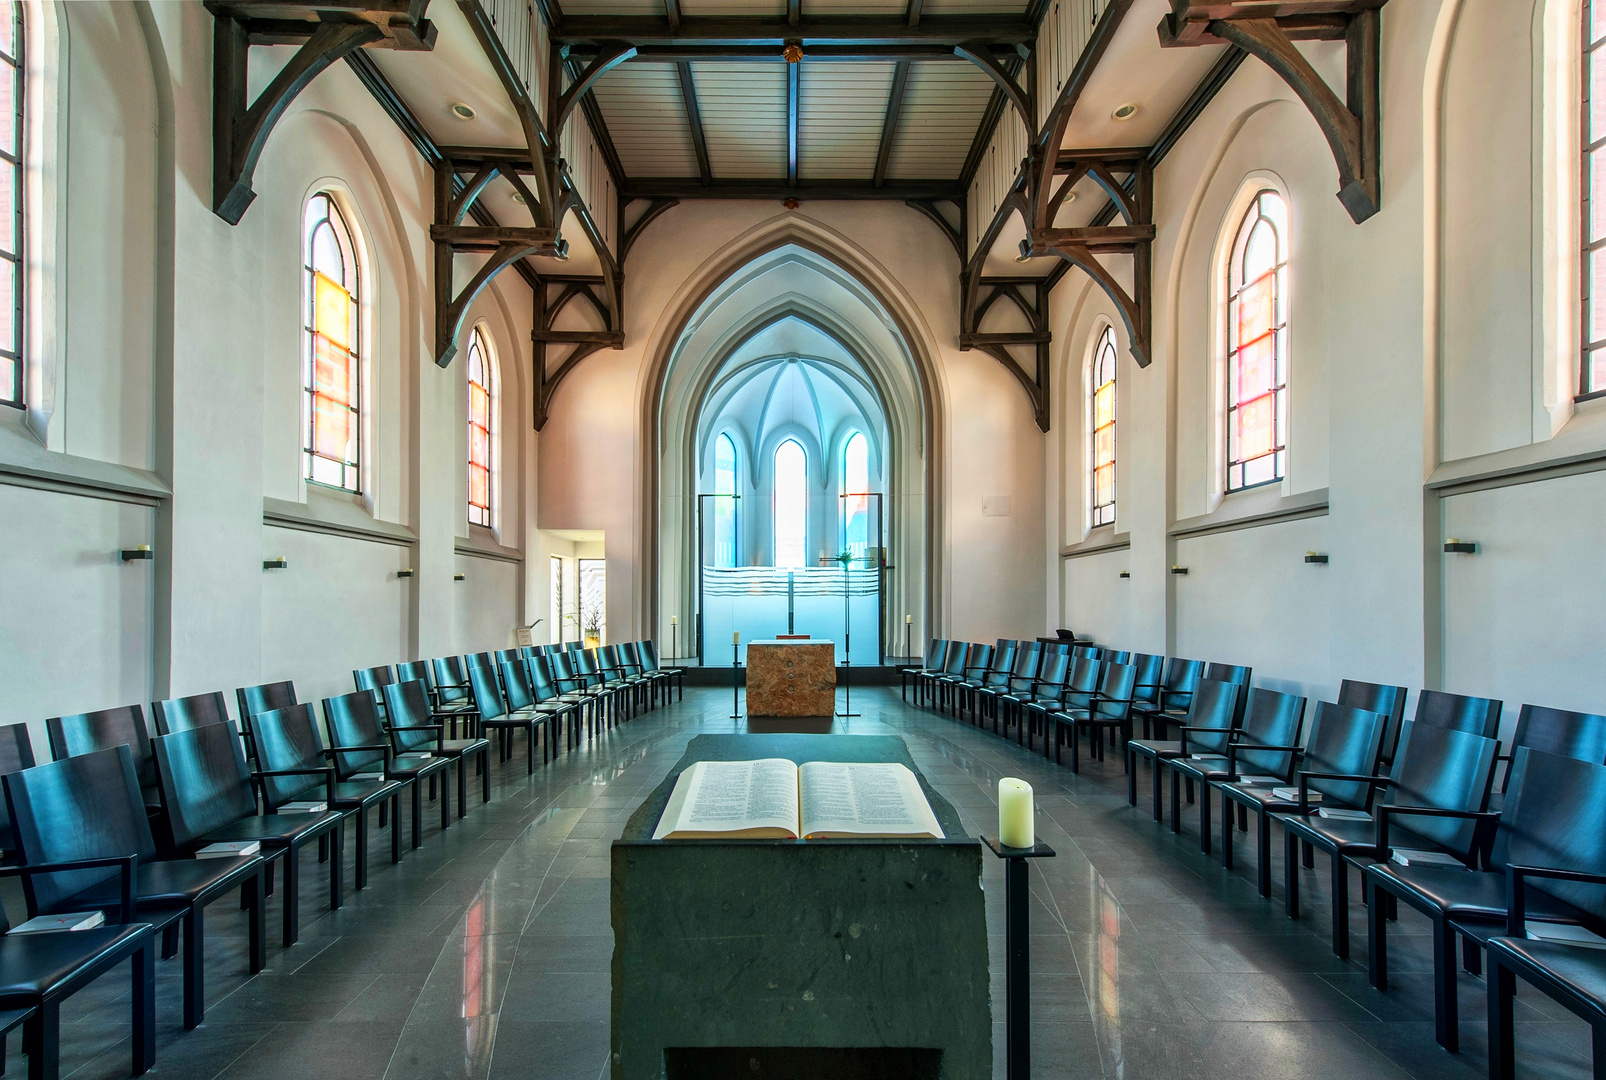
column 334, row 515
column 1579, row 447
column 1251, row 510
column 24, row 463
column 483, row 547
column 1099, row 540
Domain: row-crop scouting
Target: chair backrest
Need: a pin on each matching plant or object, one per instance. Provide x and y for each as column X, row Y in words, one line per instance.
column 1271, row 719
column 371, row 679
column 1555, row 817
column 542, row 686
column 515, row 681
column 1117, row 683
column 1214, row 706
column 649, row 656
column 1181, row 677
column 573, row 646
column 953, row 658
column 264, row 698
column 204, row 779
column 1080, row 652
column 608, row 662
column 1003, row 660
column 1349, row 741
column 288, row 739
column 1378, row 698
column 411, row 710
column 451, row 683
column 585, row 666
column 1481, row 716
column 82, row 807
column 1234, row 673
column 977, row 660
column 1028, row 659
column 1557, row 731
column 1080, row 684
column 1150, row 669
column 353, row 720
column 414, row 670
column 1116, row 656
column 1445, row 768
column 85, row 733
column 936, row 649
column 1055, row 673
column 630, row 658
column 562, row 669
column 16, row 752
column 483, row 684
column 505, row 656
column 182, row 714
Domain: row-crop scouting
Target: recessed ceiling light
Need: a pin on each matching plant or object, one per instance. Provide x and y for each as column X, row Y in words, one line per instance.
column 1070, row 196
column 462, row 110
column 517, row 197
column 1125, row 112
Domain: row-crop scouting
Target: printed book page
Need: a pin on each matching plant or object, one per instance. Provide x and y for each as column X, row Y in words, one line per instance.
column 845, row 799
column 755, row 800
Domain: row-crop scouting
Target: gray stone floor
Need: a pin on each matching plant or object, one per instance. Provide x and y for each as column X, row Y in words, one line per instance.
column 485, row 954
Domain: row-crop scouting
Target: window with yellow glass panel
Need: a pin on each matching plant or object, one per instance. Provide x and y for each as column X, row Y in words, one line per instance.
column 1101, row 424
column 11, row 205
column 331, row 377
column 1592, row 373
column 1257, row 346
column 481, row 421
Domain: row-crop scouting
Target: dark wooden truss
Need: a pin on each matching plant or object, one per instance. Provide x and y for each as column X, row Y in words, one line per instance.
column 325, row 34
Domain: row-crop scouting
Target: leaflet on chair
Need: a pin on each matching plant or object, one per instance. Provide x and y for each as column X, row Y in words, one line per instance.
column 80, row 920
column 228, row 849
column 1338, row 813
column 1291, row 794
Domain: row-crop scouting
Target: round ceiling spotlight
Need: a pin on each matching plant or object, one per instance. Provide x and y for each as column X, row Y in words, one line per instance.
column 793, row 52
column 1125, row 112
column 517, row 197
column 1070, row 197
column 463, row 110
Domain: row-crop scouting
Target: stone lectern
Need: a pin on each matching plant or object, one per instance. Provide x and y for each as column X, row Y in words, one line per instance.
column 775, row 959
column 791, row 678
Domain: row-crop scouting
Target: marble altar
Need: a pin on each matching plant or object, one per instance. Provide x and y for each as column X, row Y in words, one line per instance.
column 791, row 678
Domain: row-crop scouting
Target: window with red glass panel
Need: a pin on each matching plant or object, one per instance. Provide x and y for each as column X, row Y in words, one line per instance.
column 1102, row 425
column 11, row 234
column 1592, row 373
column 481, row 411
column 331, row 374
column 1257, row 346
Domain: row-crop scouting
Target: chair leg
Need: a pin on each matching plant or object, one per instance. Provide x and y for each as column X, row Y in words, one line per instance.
column 1445, row 1027
column 170, row 934
column 1340, row 907
column 1291, row 874
column 1471, row 956
column 44, row 1043
column 1263, row 846
column 462, row 785
column 1377, row 941
column 1204, row 817
column 418, row 810
column 1131, row 776
column 359, row 872
column 395, row 826
column 484, row 758
column 446, row 800
column 195, row 968
column 1227, row 807
column 256, row 923
column 529, row 749
column 292, row 896
column 337, row 869
column 1502, row 993
column 1176, row 801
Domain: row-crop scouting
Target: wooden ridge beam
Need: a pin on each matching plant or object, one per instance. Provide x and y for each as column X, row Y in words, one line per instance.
column 774, row 32
column 815, row 54
column 677, row 187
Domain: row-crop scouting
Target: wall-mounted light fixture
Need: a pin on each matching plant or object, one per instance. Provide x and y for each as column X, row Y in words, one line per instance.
column 1125, row 574
column 1316, row 557
column 459, row 577
column 135, row 554
column 1460, row 547
column 1179, row 570
column 405, row 573
column 278, row 562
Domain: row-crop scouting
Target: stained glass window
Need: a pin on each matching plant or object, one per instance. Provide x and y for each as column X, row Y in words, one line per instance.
column 11, row 231
column 791, row 504
column 1101, row 422
column 1257, row 346
column 481, row 414
column 331, row 372
column 725, row 509
column 855, row 488
column 1592, row 376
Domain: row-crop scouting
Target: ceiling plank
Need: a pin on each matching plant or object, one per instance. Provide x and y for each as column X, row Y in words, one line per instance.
column 889, row 125
column 677, row 187
column 859, row 53
column 694, row 120
column 774, row 33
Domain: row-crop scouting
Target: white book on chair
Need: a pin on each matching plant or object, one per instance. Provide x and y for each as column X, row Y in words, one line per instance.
column 1338, row 813
column 1291, row 794
column 1418, row 857
column 78, row 920
column 228, row 849
column 304, row 807
column 1559, row 933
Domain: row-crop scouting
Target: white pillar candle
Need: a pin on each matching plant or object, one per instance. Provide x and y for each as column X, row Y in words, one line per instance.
column 673, row 619
column 1016, row 827
column 736, row 637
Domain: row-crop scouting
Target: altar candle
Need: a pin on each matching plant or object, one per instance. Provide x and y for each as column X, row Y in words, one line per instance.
column 1015, row 822
column 736, row 637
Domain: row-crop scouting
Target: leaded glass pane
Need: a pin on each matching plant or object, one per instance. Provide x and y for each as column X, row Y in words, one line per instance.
column 1256, row 309
column 791, row 504
column 1597, row 294
column 1255, row 427
column 1597, row 95
column 1597, row 20
column 332, row 372
column 1596, row 219
column 8, row 108
column 331, row 427
column 1257, row 345
column 8, row 308
column 8, row 28
column 1257, row 364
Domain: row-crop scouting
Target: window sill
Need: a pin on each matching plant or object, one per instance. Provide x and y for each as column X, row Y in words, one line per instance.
column 24, row 463
column 1098, row 541
column 1580, row 446
column 1251, row 509
column 481, row 544
column 334, row 515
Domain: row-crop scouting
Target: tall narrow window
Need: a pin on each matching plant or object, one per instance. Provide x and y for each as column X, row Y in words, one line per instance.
column 1102, row 426
column 725, row 508
column 1257, row 346
column 11, row 231
column 555, row 608
column 791, row 504
column 331, row 378
column 481, row 417
column 855, row 489
column 1592, row 374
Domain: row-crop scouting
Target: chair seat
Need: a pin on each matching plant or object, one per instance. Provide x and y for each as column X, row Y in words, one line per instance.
column 459, row 747
column 362, row 793
column 1210, row 768
column 1354, row 839
column 1578, row 974
column 168, row 882
column 1155, row 748
column 276, row 829
column 1258, row 797
column 418, row 765
column 38, row 965
column 1459, row 894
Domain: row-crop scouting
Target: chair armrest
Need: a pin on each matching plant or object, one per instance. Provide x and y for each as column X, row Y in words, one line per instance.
column 1184, row 729
column 1516, row 881
column 1234, row 747
column 129, row 864
column 328, row 774
column 1306, row 777
column 383, row 748
column 1485, row 824
column 438, row 729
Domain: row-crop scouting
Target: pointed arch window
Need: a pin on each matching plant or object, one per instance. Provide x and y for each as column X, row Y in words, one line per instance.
column 856, row 498
column 12, row 97
column 1101, row 425
column 791, row 504
column 1592, row 373
column 725, row 508
column 331, row 365
column 481, row 421
column 1257, row 345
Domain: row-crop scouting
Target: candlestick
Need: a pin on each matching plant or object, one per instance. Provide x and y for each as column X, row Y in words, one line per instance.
column 1016, row 826
column 674, row 620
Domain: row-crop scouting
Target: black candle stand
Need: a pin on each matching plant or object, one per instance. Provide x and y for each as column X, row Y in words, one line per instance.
column 1017, row 962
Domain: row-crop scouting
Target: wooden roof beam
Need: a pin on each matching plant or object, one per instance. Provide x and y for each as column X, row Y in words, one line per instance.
column 773, row 33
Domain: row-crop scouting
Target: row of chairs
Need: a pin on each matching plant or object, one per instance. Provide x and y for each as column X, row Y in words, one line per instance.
column 115, row 822
column 1371, row 790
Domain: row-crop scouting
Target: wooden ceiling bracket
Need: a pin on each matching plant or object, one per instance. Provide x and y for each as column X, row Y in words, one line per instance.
column 542, row 337
column 928, row 207
column 648, row 216
column 1352, row 127
column 998, row 343
column 982, row 56
column 612, row 55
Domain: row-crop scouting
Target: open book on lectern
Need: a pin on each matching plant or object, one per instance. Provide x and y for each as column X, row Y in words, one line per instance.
column 773, row 799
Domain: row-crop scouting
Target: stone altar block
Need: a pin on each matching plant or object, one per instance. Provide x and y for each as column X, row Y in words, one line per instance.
column 775, row 959
column 791, row 678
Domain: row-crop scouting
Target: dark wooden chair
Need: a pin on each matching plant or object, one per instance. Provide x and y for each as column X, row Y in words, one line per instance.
column 448, row 679
column 16, row 752
column 89, row 807
column 294, row 764
column 182, row 714
column 936, row 649
column 1343, row 740
column 1150, row 675
column 676, row 675
column 360, row 747
column 40, row 970
column 495, row 715
column 953, row 663
column 976, row 661
column 1047, row 693
column 1377, row 698
column 1173, row 698
column 1028, row 662
column 993, row 678
column 1551, row 819
column 1555, row 731
column 373, row 679
column 1211, row 707
column 1481, row 716
column 1265, row 745
column 1107, row 710
column 1435, row 767
column 252, row 700
column 209, row 794
column 411, row 733
column 543, row 693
